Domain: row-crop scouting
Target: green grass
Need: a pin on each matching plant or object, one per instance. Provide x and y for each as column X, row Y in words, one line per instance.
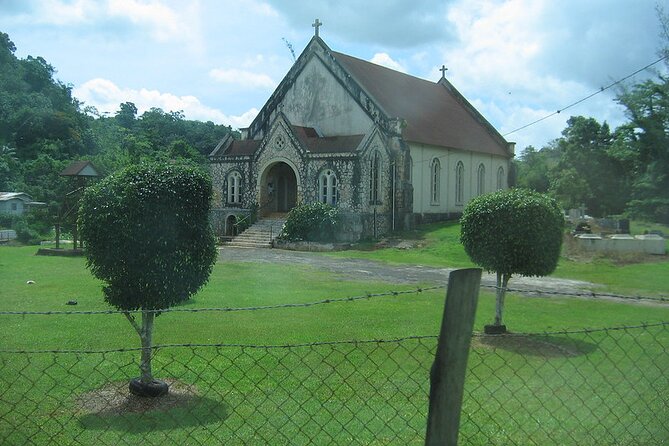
column 342, row 393
column 438, row 244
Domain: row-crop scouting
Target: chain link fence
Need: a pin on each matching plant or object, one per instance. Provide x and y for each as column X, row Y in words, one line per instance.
column 589, row 387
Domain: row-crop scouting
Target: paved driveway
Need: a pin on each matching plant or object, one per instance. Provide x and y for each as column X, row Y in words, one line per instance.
column 361, row 270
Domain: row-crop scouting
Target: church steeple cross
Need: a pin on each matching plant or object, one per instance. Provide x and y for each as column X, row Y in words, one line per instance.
column 443, row 70
column 317, row 24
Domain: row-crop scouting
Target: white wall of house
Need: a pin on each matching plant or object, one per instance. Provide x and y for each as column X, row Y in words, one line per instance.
column 13, row 206
column 421, row 176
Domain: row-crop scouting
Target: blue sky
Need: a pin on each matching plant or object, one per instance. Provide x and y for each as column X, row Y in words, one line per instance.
column 219, row 60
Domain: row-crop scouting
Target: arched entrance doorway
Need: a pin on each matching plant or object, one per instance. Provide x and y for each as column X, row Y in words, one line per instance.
column 230, row 223
column 278, row 188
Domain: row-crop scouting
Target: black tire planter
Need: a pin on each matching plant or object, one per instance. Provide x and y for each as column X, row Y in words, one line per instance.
column 494, row 329
column 152, row 389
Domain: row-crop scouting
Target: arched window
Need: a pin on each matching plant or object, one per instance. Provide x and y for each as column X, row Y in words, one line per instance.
column 234, row 188
column 480, row 180
column 374, row 178
column 435, row 173
column 327, row 186
column 500, row 178
column 459, row 183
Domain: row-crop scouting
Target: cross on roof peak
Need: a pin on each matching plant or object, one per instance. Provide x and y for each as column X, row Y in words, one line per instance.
column 317, row 24
column 443, row 70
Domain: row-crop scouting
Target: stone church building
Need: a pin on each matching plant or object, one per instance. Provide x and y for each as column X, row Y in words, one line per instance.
column 388, row 149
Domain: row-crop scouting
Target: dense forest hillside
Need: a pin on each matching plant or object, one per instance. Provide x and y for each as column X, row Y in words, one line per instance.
column 43, row 129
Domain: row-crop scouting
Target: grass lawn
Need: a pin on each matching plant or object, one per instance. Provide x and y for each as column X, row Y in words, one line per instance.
column 534, row 390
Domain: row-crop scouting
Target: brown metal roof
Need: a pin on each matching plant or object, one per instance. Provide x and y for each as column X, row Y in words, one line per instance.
column 242, row 147
column 314, row 143
column 434, row 115
column 75, row 169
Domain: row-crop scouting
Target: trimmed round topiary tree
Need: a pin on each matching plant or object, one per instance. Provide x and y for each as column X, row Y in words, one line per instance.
column 514, row 231
column 148, row 237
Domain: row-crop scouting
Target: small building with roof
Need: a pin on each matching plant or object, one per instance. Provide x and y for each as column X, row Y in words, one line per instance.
column 16, row 203
column 81, row 169
column 389, row 149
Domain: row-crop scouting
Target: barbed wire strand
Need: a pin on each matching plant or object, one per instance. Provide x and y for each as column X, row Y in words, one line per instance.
column 589, row 294
column 229, row 309
column 343, row 342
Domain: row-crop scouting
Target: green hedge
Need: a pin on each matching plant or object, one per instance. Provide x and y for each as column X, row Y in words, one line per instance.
column 311, row 222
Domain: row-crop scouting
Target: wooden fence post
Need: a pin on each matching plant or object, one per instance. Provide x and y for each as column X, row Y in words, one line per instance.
column 447, row 377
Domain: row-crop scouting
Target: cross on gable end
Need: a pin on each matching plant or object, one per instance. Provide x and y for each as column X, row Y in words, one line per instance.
column 317, row 24
column 443, row 70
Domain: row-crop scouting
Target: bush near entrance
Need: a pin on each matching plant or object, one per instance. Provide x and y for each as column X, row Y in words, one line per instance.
column 314, row 222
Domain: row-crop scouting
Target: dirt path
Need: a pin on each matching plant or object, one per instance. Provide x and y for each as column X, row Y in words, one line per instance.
column 361, row 270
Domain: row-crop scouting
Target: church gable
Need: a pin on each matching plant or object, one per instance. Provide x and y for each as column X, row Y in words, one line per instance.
column 280, row 141
column 374, row 140
column 317, row 99
column 281, row 144
column 319, row 92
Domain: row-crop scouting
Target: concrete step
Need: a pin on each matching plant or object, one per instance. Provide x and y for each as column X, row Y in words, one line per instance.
column 247, row 245
column 259, row 235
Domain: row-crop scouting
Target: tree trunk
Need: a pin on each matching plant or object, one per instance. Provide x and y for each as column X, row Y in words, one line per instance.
column 147, row 343
column 502, row 282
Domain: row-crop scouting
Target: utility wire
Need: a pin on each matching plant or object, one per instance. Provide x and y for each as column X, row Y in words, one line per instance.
column 601, row 90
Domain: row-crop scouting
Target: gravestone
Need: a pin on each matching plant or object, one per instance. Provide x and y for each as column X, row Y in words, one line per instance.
column 623, row 226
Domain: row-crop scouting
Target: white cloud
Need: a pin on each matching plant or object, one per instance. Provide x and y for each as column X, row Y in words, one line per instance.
column 242, row 78
column 385, row 60
column 262, row 8
column 398, row 23
column 106, row 96
column 153, row 17
column 163, row 22
column 507, row 57
column 60, row 12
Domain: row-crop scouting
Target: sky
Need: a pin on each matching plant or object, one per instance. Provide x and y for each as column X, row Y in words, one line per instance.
column 516, row 61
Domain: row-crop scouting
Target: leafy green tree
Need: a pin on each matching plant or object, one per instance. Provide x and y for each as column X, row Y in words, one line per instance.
column 148, row 238
column 643, row 144
column 647, row 107
column 534, row 167
column 8, row 168
column 515, row 231
column 126, row 115
column 181, row 150
column 585, row 158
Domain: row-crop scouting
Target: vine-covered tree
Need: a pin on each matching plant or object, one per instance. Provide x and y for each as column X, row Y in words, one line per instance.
column 648, row 141
column 647, row 107
column 587, row 174
column 148, row 239
column 515, row 231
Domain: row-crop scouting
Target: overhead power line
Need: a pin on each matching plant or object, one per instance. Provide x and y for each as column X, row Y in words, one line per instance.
column 601, row 90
